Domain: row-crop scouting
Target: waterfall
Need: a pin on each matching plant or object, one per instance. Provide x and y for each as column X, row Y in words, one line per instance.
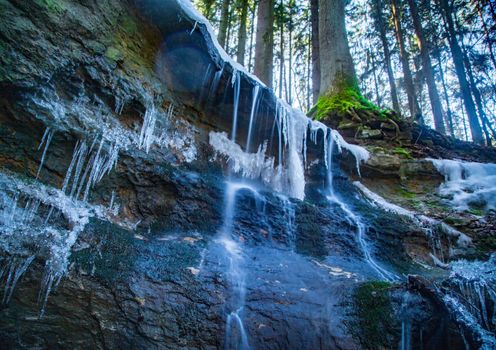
column 236, row 273
column 351, row 217
column 431, row 227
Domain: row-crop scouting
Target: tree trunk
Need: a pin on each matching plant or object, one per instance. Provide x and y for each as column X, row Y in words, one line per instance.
column 437, row 109
column 381, row 27
column 290, row 59
column 378, row 98
column 477, row 97
column 456, row 52
column 413, row 104
column 487, row 33
column 336, row 64
column 224, row 22
column 314, row 13
column 282, row 59
column 264, row 42
column 252, row 32
column 446, row 98
column 242, row 33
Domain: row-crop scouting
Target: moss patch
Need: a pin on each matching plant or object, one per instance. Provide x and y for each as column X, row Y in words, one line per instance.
column 373, row 315
column 345, row 100
column 403, row 152
column 52, row 5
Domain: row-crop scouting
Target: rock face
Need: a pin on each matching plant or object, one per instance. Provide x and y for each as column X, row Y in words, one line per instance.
column 111, row 206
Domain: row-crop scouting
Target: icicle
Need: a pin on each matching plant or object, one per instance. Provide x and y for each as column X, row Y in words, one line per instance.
column 146, row 137
column 16, row 269
column 236, row 83
column 466, row 183
column 254, row 104
column 47, row 138
column 194, row 28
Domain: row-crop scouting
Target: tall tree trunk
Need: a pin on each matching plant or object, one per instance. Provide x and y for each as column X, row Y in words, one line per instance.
column 282, row 59
column 224, row 23
column 264, row 42
column 378, row 99
column 381, row 27
column 477, row 96
column 242, row 33
column 336, row 65
column 456, row 52
column 437, row 108
column 413, row 104
column 445, row 92
column 290, row 59
column 309, row 71
column 487, row 33
column 314, row 15
column 252, row 32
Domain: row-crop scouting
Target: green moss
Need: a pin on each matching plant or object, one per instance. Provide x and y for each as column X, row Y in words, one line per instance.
column 129, row 25
column 484, row 246
column 52, row 5
column 454, row 221
column 476, row 212
column 345, row 99
column 373, row 313
column 114, row 54
column 406, row 194
column 403, row 152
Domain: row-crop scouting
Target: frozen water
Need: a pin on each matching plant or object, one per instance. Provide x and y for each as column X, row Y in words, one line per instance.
column 467, row 184
column 428, row 225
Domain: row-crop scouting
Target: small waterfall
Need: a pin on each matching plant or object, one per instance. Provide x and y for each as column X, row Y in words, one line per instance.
column 351, row 217
column 236, row 336
column 431, row 227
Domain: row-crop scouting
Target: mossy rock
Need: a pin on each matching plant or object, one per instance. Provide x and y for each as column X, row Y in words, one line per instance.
column 373, row 323
column 114, row 54
column 403, row 152
column 56, row 6
column 347, row 99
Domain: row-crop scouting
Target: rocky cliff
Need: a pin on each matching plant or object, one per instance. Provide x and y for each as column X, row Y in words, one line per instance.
column 118, row 186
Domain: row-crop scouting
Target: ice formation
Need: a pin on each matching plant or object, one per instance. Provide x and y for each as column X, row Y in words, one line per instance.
column 287, row 173
column 472, row 297
column 427, row 224
column 46, row 139
column 467, row 183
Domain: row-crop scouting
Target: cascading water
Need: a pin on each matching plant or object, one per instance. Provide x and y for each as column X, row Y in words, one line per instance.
column 236, row 336
column 329, row 140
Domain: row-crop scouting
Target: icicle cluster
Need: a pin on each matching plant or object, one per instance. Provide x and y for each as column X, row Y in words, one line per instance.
column 467, row 183
column 89, row 165
column 472, row 297
column 290, row 128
